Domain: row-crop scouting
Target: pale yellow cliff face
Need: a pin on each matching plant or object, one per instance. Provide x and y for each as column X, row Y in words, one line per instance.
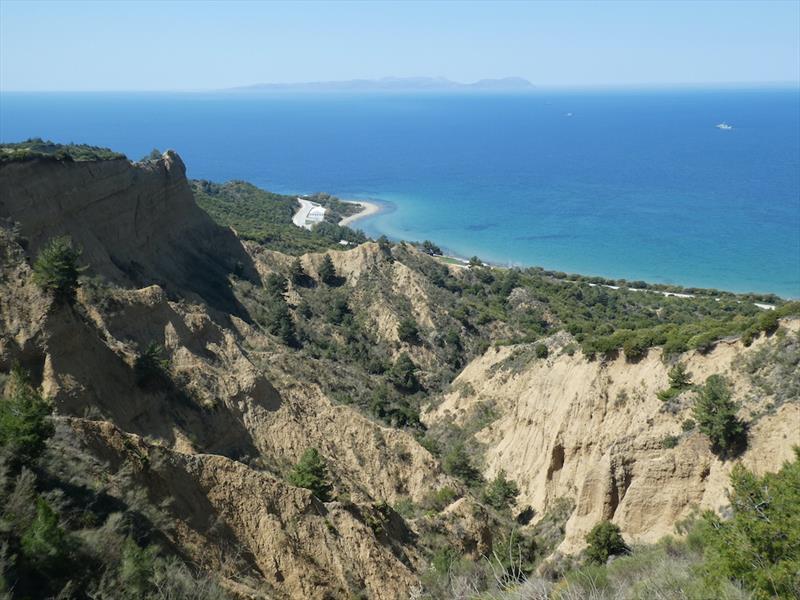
column 592, row 431
column 564, row 429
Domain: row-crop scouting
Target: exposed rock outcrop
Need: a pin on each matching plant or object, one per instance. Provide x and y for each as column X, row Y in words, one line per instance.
column 137, row 223
column 593, row 431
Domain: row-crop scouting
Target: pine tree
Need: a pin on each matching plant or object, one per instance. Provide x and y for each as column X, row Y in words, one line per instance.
column 45, row 544
column 679, row 377
column 327, row 272
column 297, row 274
column 715, row 414
column 56, row 269
column 24, row 423
column 311, row 472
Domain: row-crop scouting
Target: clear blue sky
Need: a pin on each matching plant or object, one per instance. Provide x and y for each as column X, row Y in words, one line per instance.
column 207, row 45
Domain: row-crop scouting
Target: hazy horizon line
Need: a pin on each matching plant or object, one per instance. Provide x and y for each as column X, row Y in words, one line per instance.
column 252, row 88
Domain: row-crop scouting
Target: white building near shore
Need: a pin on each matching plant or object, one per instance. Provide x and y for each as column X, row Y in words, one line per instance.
column 310, row 214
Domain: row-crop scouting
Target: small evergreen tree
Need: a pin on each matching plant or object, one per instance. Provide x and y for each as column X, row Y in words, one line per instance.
column 605, row 539
column 56, row 269
column 408, row 331
column 297, row 274
column 385, row 246
column 715, row 414
column 24, row 423
column 402, row 374
column 275, row 286
column 679, row 377
column 280, row 323
column 327, row 272
column 154, row 154
column 311, row 473
column 152, row 368
column 501, row 492
column 44, row 544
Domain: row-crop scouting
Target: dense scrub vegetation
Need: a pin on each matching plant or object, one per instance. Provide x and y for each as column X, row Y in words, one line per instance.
column 37, row 148
column 266, row 218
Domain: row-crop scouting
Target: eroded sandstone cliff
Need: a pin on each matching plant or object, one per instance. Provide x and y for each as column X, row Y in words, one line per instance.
column 593, row 431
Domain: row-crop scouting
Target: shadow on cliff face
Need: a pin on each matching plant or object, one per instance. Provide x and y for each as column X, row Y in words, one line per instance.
column 136, row 223
column 87, row 376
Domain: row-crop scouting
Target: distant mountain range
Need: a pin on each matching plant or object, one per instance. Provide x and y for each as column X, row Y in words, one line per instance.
column 395, row 84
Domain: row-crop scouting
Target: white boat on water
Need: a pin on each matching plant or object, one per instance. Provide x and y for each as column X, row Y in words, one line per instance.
column 724, row 126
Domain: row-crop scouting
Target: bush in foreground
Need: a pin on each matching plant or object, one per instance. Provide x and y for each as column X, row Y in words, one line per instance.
column 605, row 539
column 759, row 545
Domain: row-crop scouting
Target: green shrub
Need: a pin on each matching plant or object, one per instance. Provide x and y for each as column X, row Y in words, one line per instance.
column 136, row 567
column 715, row 414
column 501, row 492
column 408, row 331
column 56, row 269
column 605, row 539
column 456, row 462
column 635, row 347
column 688, row 424
column 403, row 374
column 669, row 441
column 668, row 394
column 311, row 473
column 25, row 426
column 444, row 558
column 442, row 498
column 541, row 351
column 768, row 321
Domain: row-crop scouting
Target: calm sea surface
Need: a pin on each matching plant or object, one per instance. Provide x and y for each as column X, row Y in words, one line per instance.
column 633, row 184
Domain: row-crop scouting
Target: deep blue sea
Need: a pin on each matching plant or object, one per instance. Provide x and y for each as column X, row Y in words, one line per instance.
column 624, row 184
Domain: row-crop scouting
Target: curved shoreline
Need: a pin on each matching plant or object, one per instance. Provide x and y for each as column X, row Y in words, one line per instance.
column 367, row 209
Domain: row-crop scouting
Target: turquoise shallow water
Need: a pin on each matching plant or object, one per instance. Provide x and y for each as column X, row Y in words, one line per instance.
column 633, row 184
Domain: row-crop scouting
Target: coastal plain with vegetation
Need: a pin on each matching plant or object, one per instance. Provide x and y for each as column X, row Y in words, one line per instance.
column 250, row 409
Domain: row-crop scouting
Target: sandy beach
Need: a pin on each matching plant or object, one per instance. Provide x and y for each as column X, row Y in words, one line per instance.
column 367, row 209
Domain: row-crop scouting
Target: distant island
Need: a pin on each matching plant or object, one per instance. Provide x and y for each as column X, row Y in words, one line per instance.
column 392, row 84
